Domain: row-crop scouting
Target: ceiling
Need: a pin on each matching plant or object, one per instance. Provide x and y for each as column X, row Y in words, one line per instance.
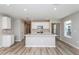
column 39, row 11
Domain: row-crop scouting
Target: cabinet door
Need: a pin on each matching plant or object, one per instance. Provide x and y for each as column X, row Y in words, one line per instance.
column 6, row 23
column 6, row 41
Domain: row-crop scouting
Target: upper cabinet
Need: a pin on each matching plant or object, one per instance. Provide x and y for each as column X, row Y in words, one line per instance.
column 45, row 25
column 6, row 23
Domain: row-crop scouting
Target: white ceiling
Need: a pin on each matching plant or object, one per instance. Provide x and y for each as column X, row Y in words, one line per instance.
column 39, row 11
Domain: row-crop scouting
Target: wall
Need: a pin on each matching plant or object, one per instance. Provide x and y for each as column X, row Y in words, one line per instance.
column 0, row 32
column 55, row 21
column 58, row 29
column 18, row 29
column 74, row 41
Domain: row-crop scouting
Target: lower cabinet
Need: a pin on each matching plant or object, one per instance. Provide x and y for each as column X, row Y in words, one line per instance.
column 7, row 40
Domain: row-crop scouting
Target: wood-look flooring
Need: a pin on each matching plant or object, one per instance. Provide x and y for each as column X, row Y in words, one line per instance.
column 19, row 49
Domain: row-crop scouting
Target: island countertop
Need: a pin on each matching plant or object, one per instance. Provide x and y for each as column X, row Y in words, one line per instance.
column 41, row 35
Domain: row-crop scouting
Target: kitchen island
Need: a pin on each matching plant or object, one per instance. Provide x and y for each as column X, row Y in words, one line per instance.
column 40, row 40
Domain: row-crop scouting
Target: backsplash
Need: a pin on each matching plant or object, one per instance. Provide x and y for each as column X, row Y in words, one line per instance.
column 7, row 31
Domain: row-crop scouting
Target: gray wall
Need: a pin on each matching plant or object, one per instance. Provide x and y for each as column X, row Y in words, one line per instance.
column 0, row 32
column 18, row 29
column 74, row 41
column 58, row 29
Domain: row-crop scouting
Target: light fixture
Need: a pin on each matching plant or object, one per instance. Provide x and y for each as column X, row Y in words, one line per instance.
column 55, row 8
column 25, row 9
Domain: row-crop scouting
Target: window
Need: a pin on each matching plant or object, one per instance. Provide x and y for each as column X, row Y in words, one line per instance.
column 67, row 29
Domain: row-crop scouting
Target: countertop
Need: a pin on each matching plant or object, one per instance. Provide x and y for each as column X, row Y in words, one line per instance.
column 41, row 35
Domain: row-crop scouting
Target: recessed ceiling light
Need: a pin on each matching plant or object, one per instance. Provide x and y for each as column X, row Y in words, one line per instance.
column 55, row 8
column 25, row 9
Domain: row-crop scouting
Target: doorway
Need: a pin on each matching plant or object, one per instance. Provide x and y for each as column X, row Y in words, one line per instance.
column 27, row 27
column 55, row 27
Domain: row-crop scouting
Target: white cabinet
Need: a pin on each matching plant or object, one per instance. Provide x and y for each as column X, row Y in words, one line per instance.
column 40, row 40
column 7, row 40
column 44, row 24
column 6, row 23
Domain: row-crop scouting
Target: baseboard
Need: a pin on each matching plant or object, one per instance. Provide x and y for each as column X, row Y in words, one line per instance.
column 71, row 47
column 16, row 40
column 19, row 40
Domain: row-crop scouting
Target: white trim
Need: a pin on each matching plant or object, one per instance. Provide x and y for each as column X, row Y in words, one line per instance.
column 67, row 36
column 65, row 25
column 18, row 40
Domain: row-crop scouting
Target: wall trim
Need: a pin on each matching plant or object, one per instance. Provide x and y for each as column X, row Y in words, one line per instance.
column 19, row 40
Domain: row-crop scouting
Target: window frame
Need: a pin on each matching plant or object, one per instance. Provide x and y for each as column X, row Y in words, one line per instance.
column 65, row 27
